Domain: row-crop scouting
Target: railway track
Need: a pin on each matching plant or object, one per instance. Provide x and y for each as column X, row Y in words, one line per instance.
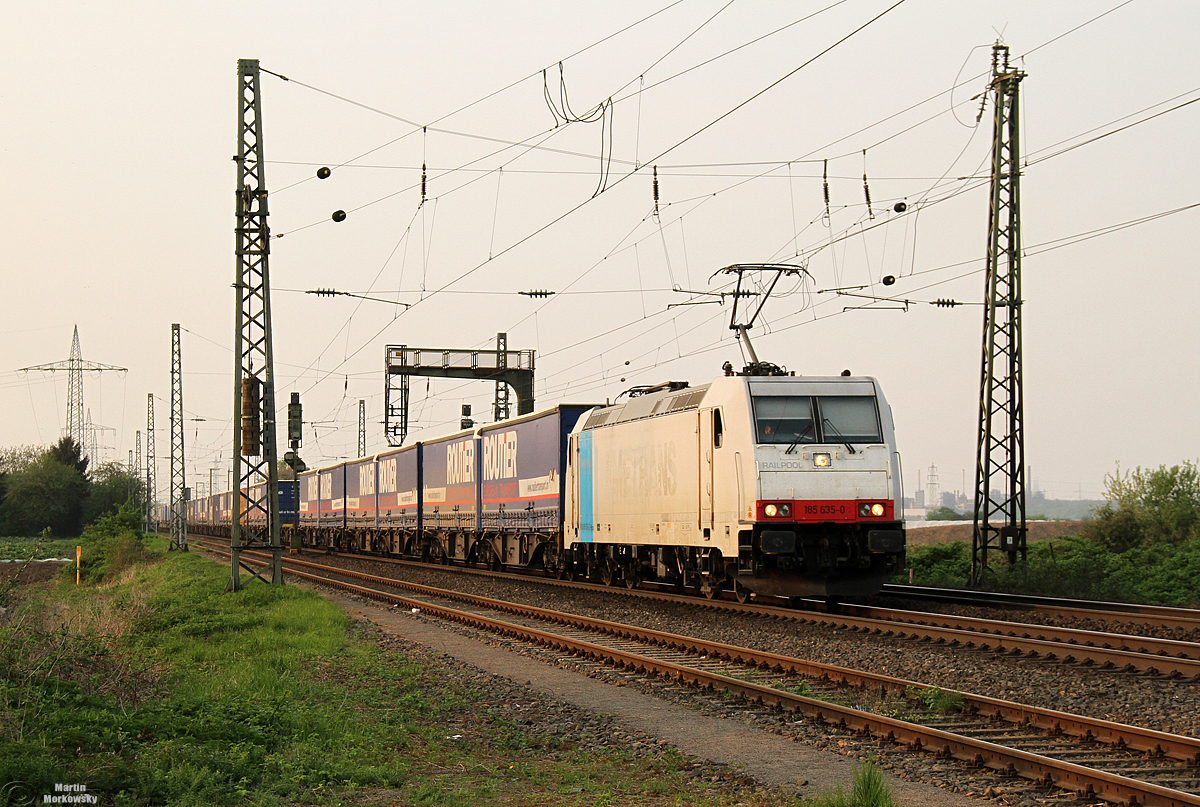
column 1132, row 613
column 1091, row 758
column 1108, row 651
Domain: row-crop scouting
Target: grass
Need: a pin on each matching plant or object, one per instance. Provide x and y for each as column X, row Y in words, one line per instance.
column 869, row 790
column 154, row 687
column 936, row 700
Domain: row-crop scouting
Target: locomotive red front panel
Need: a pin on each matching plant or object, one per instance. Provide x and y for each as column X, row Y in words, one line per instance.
column 837, row 510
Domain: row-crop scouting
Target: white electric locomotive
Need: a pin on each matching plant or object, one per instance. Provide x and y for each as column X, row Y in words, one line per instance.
column 773, row 484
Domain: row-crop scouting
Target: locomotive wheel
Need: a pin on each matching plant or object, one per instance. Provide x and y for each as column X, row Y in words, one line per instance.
column 629, row 576
column 608, row 574
column 712, row 589
column 741, row 592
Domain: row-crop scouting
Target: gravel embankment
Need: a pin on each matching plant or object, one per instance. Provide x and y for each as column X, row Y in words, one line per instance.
column 1162, row 704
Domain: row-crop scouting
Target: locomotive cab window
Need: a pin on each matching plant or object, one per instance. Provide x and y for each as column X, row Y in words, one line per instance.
column 718, row 428
column 849, row 419
column 784, row 419
column 804, row 420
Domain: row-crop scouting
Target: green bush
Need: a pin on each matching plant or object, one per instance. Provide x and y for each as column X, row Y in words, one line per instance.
column 1074, row 566
column 946, row 564
column 110, row 546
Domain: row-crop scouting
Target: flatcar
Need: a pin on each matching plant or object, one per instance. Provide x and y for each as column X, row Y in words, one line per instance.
column 492, row 495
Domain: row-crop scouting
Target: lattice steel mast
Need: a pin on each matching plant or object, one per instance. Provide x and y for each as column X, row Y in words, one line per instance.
column 254, row 443
column 501, row 408
column 362, row 427
column 135, row 472
column 178, row 482
column 1000, row 468
column 151, row 493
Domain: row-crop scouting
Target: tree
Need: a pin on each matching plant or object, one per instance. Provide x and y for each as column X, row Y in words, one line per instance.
column 112, row 486
column 946, row 514
column 48, row 493
column 1161, row 506
column 70, row 453
column 18, row 458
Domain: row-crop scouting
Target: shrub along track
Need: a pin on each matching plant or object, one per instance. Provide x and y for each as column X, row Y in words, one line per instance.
column 1092, row 758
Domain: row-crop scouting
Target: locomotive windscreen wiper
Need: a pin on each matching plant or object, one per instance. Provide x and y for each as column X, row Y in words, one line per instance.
column 838, row 434
column 799, row 437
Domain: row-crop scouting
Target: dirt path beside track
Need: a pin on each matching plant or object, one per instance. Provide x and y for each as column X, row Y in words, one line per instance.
column 771, row 760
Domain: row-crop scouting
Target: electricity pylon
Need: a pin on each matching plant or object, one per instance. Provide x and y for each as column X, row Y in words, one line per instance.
column 75, row 365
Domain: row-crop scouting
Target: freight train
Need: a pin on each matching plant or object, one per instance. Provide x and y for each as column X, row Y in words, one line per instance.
column 760, row 485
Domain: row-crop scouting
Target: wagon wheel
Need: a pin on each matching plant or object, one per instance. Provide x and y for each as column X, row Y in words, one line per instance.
column 551, row 565
column 712, row 589
column 630, row 576
column 608, row 574
column 487, row 557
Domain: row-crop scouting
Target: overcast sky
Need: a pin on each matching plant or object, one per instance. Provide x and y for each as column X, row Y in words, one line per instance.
column 120, row 118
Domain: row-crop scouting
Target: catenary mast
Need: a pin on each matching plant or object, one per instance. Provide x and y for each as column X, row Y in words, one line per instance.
column 1000, row 470
column 255, row 504
column 179, row 491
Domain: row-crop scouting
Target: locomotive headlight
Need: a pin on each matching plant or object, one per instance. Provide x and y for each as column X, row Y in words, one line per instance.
column 821, row 460
column 771, row 510
column 785, row 510
column 877, row 509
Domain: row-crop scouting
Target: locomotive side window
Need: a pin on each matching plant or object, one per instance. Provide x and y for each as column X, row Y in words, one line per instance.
column 718, row 428
column 849, row 419
column 784, row 419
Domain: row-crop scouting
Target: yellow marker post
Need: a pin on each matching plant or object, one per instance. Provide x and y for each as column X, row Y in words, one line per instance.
column 78, row 556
